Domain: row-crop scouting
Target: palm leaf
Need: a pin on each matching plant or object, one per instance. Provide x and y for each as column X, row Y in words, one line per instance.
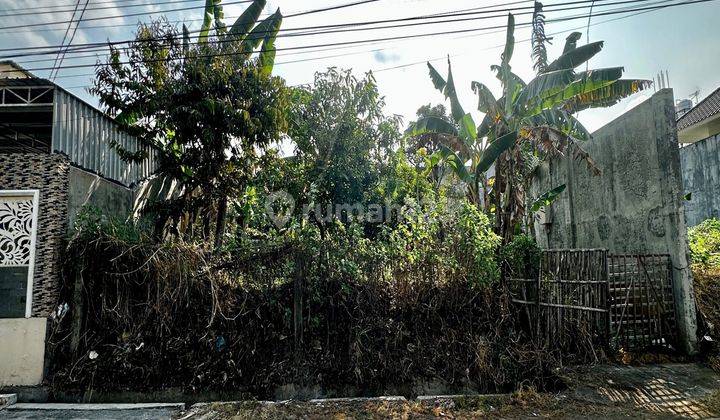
column 267, row 50
column 576, row 56
column 607, row 95
column 494, row 150
column 218, row 16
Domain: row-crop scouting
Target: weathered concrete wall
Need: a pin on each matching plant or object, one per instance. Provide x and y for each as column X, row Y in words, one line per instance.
column 635, row 206
column 88, row 189
column 22, row 351
column 700, row 162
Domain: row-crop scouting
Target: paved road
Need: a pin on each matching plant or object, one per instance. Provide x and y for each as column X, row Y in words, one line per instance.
column 31, row 413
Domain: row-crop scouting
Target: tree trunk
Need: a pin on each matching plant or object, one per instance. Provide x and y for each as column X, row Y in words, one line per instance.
column 220, row 222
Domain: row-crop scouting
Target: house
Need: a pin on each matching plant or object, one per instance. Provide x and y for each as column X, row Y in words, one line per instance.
column 701, row 121
column 56, row 156
column 699, row 129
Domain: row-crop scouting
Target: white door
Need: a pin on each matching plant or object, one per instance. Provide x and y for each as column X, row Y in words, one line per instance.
column 18, row 233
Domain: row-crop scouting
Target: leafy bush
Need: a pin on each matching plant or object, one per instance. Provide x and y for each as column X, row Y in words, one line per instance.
column 704, row 241
column 521, row 257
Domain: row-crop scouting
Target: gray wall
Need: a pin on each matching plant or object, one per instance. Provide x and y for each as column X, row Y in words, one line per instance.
column 88, row 189
column 700, row 162
column 635, row 206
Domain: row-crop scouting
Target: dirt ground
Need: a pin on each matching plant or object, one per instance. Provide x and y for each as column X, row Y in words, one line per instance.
column 604, row 391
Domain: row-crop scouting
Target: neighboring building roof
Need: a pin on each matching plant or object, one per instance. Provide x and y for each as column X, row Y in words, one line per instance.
column 705, row 109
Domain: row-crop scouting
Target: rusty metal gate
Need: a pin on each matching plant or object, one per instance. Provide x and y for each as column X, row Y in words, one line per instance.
column 642, row 307
column 622, row 301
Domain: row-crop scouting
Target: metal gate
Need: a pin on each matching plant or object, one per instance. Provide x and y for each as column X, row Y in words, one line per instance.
column 642, row 307
column 18, row 232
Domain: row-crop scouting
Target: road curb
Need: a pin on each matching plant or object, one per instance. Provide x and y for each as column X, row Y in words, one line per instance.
column 93, row 407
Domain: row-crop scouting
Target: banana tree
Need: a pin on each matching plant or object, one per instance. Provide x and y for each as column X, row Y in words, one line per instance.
column 529, row 123
column 244, row 36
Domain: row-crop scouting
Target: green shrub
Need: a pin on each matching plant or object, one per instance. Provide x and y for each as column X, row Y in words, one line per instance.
column 521, row 257
column 704, row 241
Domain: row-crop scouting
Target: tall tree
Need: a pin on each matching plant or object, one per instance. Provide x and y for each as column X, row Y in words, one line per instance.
column 207, row 109
column 530, row 122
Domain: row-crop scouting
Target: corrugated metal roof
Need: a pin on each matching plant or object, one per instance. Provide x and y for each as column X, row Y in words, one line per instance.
column 26, row 82
column 702, row 111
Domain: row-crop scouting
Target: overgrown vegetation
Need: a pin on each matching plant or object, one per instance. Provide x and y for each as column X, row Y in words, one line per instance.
column 420, row 302
column 704, row 241
column 366, row 259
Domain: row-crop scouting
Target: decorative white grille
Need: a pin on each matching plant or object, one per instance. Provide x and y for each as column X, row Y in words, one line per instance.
column 16, row 227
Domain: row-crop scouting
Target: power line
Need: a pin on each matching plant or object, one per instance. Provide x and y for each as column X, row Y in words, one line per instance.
column 62, row 22
column 282, row 31
column 67, row 31
column 412, row 36
column 72, row 38
column 24, row 11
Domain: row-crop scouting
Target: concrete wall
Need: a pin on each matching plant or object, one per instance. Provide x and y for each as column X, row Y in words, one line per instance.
column 635, row 206
column 22, row 351
column 700, row 164
column 88, row 189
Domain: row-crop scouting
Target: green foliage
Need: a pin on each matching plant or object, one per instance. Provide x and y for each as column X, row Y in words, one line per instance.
column 704, row 241
column 210, row 120
column 530, row 122
column 343, row 139
column 521, row 257
column 90, row 222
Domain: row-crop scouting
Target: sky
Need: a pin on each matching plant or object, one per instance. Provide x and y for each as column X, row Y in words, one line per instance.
column 682, row 40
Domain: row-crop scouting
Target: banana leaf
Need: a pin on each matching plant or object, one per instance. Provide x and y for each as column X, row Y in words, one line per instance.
column 575, row 57
column 571, row 42
column 608, row 95
column 456, row 109
column 486, row 101
column 454, row 161
column 547, row 84
column 247, row 19
column 207, row 21
column 267, row 50
column 437, row 79
column 585, row 83
column 431, row 124
column 494, row 150
column 547, row 198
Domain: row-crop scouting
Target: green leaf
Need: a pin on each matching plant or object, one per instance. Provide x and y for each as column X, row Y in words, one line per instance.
column 186, row 40
column 468, row 130
column 585, row 82
column 486, row 101
column 207, row 21
column 456, row 163
column 456, row 109
column 267, row 53
column 547, row 84
column 509, row 40
column 247, row 19
column 571, row 42
column 219, row 15
column 431, row 124
column 547, row 198
column 688, row 196
column 258, row 33
column 494, row 150
column 575, row 57
column 437, row 79
column 607, row 95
